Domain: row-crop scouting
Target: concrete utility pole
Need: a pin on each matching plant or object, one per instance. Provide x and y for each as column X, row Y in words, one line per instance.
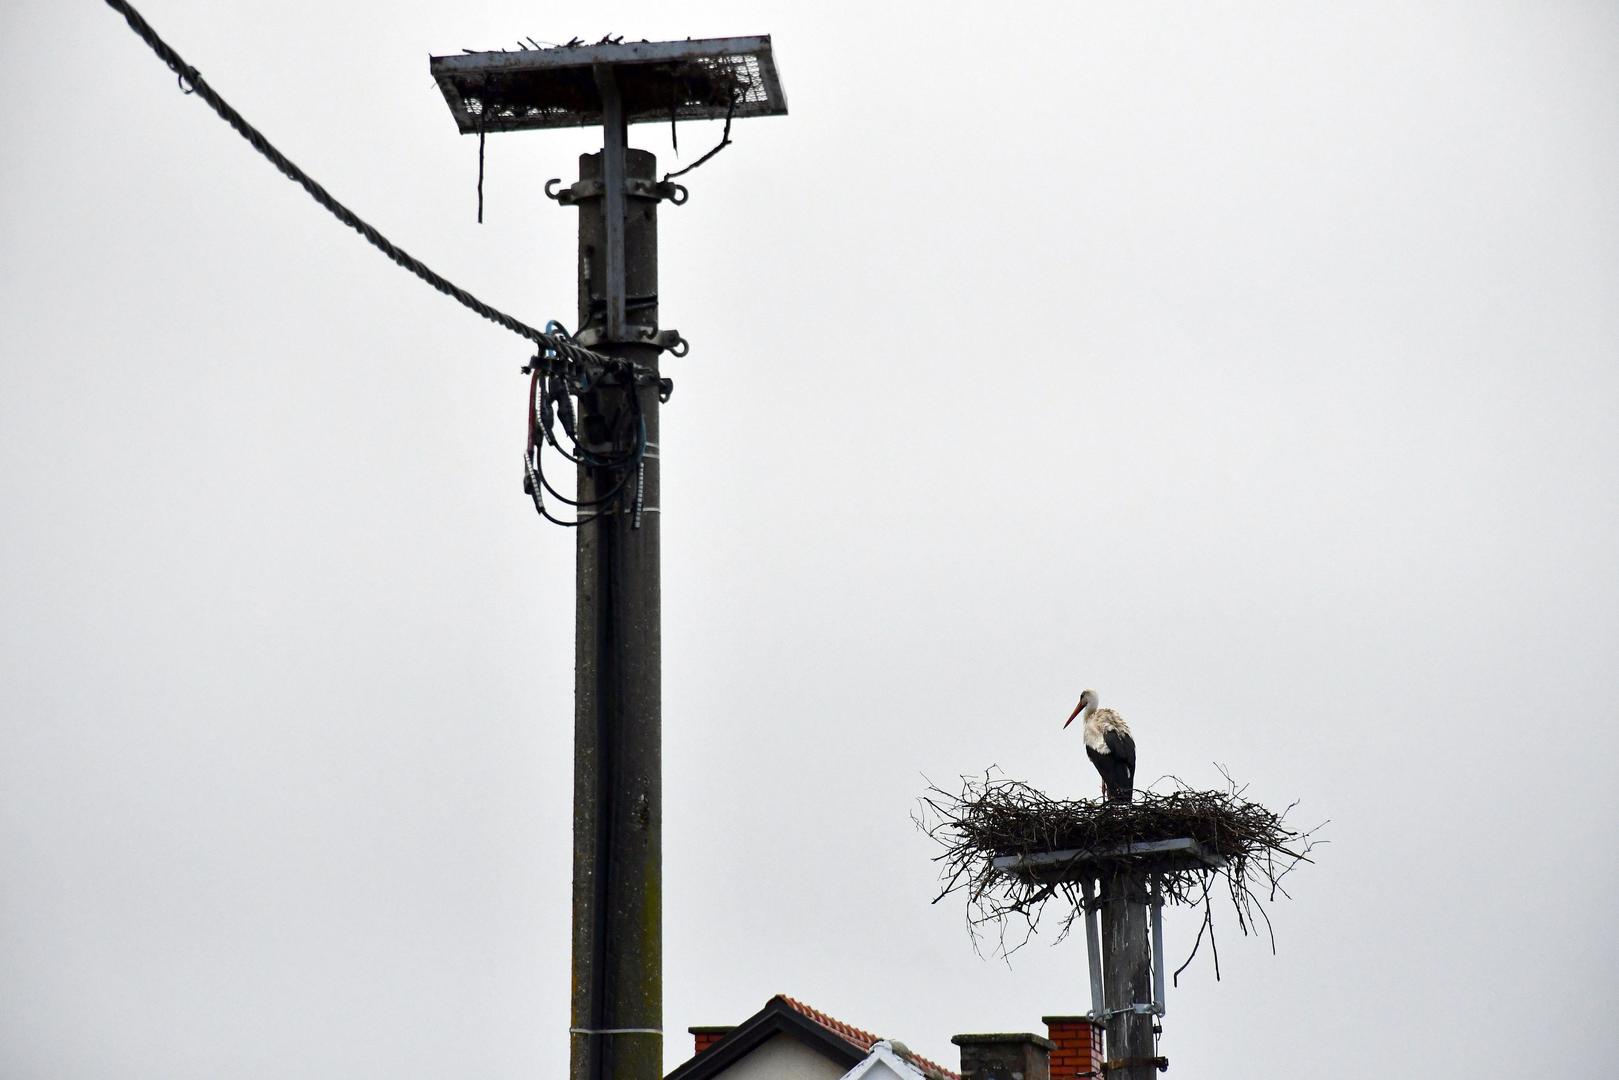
column 617, row 1007
column 618, row 735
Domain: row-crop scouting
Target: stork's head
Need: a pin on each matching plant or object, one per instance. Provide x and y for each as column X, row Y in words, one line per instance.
column 1087, row 700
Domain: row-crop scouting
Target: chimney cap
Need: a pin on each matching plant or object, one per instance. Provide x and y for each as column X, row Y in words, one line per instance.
column 1003, row 1037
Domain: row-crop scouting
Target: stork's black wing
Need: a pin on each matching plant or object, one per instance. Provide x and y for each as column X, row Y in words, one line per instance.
column 1123, row 748
column 1117, row 772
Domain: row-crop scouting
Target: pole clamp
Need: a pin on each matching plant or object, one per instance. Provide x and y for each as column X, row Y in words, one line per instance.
column 668, row 340
column 635, row 188
column 1120, row 1064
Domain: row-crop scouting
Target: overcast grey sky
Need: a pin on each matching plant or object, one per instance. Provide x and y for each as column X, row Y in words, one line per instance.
column 1252, row 363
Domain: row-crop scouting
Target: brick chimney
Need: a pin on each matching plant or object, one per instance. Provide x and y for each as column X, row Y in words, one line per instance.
column 1078, row 1042
column 705, row 1037
column 1004, row 1057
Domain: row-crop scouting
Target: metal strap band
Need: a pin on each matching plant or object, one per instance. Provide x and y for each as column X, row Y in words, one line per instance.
column 1119, row 1064
column 615, row 1031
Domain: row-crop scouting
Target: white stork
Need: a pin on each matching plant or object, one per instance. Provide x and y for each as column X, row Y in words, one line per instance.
column 1109, row 746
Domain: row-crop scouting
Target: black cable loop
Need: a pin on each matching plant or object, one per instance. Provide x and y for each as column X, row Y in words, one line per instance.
column 631, row 460
column 556, row 391
column 618, row 488
column 589, row 460
column 585, row 457
column 631, row 463
column 539, row 500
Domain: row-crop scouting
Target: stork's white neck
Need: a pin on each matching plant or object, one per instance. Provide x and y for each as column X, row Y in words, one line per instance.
column 1092, row 701
column 1093, row 733
column 1097, row 723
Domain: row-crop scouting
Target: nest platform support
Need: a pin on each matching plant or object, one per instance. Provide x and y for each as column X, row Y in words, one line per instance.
column 1124, row 937
column 1127, row 972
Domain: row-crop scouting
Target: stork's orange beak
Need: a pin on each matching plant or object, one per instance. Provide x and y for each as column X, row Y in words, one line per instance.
column 1073, row 714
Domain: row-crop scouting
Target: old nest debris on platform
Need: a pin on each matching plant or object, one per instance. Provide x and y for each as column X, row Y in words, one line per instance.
column 667, row 90
column 993, row 816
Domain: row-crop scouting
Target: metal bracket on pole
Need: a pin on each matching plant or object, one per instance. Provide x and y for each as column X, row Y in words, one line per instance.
column 1157, row 901
column 1093, row 946
column 669, row 340
column 634, row 187
column 614, row 142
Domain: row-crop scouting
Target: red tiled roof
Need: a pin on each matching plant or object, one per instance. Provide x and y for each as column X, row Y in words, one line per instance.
column 863, row 1040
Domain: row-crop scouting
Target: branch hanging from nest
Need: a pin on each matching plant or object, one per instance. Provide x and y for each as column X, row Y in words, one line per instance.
column 993, row 816
column 725, row 140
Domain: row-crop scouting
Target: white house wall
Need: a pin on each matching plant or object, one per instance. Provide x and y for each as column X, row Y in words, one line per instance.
column 783, row 1058
column 881, row 1070
column 883, row 1064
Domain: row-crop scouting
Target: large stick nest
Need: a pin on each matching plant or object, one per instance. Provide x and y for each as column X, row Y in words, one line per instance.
column 993, row 816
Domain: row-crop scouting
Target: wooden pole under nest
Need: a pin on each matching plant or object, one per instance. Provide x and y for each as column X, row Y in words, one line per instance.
column 1127, row 994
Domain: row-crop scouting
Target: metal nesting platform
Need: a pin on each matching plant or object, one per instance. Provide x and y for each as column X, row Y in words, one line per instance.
column 1075, row 864
column 658, row 81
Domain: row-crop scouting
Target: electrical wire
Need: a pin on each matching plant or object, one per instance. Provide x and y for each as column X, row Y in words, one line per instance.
column 568, row 354
column 550, row 402
column 560, row 369
column 630, row 459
